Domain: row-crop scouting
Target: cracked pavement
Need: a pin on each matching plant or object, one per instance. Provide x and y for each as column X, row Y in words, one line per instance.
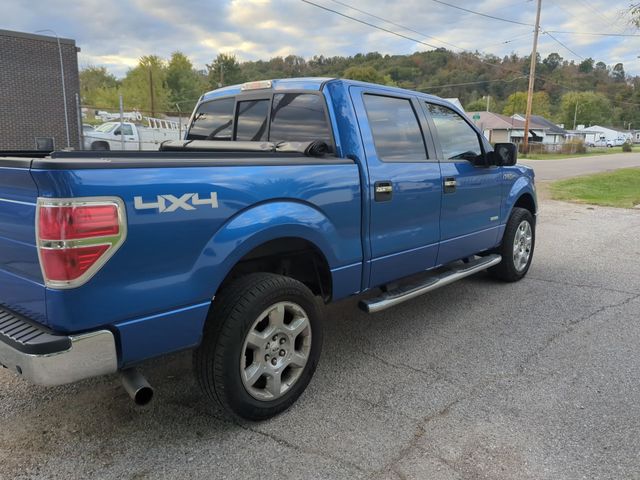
column 479, row 379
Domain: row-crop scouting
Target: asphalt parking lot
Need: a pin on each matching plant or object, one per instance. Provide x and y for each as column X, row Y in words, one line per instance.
column 536, row 380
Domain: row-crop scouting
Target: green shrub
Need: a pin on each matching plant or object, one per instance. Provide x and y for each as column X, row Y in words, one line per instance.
column 626, row 147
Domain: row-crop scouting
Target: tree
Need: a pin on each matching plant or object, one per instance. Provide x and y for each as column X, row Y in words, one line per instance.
column 224, row 70
column 184, row 82
column 552, row 61
column 517, row 103
column 479, row 105
column 586, row 66
column 618, row 72
column 368, row 74
column 635, row 14
column 592, row 108
column 98, row 88
column 145, row 86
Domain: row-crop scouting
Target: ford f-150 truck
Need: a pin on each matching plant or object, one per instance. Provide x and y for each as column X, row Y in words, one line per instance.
column 283, row 196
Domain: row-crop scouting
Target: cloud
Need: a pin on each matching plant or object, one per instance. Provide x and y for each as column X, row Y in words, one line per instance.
column 117, row 33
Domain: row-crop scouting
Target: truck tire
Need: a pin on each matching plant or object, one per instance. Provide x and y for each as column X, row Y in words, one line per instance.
column 99, row 146
column 517, row 247
column 261, row 345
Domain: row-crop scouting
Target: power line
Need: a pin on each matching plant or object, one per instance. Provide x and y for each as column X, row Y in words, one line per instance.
column 392, row 23
column 602, row 34
column 431, row 87
column 483, row 14
column 494, row 65
column 596, row 34
column 501, row 67
column 369, row 24
column 562, row 44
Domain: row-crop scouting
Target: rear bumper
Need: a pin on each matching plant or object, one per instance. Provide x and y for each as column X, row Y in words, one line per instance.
column 46, row 358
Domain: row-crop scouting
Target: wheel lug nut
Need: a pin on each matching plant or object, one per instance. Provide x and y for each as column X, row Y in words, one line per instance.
column 267, row 346
column 274, row 361
column 275, row 337
column 282, row 340
column 266, row 358
column 282, row 352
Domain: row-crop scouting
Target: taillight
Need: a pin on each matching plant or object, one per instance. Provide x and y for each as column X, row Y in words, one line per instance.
column 76, row 237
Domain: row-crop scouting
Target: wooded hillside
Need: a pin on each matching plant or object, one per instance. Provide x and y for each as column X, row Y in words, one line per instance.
column 603, row 93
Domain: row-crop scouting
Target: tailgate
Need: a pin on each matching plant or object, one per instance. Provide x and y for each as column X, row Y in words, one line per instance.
column 21, row 286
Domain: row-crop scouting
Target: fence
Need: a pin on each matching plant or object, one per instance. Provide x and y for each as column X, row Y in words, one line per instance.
column 108, row 128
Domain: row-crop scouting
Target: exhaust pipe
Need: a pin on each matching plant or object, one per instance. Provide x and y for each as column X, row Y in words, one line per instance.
column 136, row 386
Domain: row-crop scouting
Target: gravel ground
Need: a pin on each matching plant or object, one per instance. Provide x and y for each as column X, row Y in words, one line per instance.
column 537, row 380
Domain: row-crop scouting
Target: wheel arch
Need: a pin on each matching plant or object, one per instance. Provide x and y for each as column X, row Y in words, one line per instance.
column 521, row 195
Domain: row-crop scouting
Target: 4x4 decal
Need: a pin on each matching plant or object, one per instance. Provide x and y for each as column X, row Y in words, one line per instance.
column 171, row 203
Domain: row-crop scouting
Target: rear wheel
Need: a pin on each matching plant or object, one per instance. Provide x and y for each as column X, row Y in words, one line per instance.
column 99, row 146
column 517, row 247
column 261, row 345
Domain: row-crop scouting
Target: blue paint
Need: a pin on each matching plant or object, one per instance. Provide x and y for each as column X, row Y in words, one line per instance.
column 155, row 292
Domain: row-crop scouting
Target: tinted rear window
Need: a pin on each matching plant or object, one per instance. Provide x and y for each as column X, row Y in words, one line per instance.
column 298, row 117
column 252, row 120
column 213, row 121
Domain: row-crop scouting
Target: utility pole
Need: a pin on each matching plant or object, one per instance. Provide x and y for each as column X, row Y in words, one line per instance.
column 575, row 116
column 532, row 78
column 488, row 100
column 221, row 83
column 153, row 108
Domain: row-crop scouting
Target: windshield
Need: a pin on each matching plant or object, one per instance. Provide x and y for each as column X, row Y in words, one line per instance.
column 106, row 127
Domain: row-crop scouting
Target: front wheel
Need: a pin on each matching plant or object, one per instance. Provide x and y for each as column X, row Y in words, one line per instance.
column 261, row 345
column 517, row 247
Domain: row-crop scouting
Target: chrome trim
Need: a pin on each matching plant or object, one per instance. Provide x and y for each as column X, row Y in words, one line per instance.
column 17, row 202
column 91, row 354
column 401, row 295
column 114, row 241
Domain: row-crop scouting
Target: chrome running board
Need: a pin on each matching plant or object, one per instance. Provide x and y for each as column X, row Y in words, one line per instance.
column 402, row 294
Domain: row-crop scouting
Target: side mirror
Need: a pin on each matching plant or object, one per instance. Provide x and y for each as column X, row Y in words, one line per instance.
column 505, row 154
column 116, row 132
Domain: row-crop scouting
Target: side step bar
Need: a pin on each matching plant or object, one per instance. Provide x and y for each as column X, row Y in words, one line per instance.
column 402, row 294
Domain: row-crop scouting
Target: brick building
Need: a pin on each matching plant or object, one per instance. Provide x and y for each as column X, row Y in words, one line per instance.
column 31, row 98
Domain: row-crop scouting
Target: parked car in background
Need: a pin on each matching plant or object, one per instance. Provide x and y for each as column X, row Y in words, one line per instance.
column 86, row 128
column 131, row 136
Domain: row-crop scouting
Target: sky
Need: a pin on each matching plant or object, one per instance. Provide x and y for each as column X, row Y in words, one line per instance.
column 115, row 34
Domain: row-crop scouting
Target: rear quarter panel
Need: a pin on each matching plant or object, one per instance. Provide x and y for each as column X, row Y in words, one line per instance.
column 176, row 260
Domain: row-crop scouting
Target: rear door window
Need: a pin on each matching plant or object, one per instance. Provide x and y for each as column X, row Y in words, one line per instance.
column 251, row 124
column 213, row 121
column 395, row 128
column 299, row 117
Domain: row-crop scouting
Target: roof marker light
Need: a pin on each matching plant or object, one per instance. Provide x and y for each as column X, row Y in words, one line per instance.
column 259, row 85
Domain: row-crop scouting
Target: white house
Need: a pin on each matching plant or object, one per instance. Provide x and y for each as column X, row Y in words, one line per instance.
column 597, row 134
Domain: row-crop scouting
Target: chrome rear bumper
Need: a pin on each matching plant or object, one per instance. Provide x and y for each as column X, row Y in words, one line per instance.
column 46, row 358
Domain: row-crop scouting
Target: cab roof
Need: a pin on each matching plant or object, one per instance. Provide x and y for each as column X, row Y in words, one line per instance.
column 309, row 83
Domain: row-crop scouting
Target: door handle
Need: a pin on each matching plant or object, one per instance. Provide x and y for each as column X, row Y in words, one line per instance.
column 450, row 185
column 383, row 191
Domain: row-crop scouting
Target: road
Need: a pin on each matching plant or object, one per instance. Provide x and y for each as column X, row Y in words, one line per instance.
column 573, row 167
column 533, row 380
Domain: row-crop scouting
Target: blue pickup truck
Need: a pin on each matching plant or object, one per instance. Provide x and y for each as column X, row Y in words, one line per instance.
column 283, row 196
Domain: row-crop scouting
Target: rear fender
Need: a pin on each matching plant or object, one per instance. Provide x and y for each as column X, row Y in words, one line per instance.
column 269, row 221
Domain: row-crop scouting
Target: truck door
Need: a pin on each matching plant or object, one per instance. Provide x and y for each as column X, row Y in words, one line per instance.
column 130, row 136
column 404, row 188
column 471, row 195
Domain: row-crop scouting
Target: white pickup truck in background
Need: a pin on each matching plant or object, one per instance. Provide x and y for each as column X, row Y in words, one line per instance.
column 131, row 136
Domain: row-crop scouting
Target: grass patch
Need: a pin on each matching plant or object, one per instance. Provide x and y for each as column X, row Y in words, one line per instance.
column 557, row 156
column 620, row 188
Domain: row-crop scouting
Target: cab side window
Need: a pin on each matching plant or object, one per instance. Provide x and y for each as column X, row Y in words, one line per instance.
column 457, row 139
column 395, row 128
